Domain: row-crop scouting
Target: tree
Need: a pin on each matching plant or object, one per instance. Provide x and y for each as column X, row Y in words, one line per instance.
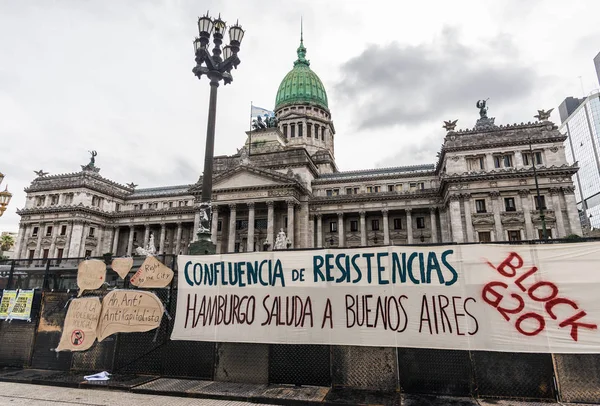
column 6, row 242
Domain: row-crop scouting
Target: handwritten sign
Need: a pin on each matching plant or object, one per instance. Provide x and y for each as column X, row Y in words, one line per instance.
column 91, row 274
column 21, row 310
column 81, row 323
column 8, row 301
column 152, row 274
column 122, row 266
column 127, row 311
column 538, row 298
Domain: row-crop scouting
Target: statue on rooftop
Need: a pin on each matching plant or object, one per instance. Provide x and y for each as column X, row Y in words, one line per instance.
column 92, row 165
column 450, row 125
column 40, row 173
column 481, row 105
column 543, row 115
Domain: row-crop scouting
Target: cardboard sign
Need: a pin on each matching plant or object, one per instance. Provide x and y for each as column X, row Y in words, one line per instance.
column 81, row 323
column 122, row 266
column 128, row 311
column 484, row 297
column 152, row 274
column 22, row 307
column 91, row 274
column 8, row 301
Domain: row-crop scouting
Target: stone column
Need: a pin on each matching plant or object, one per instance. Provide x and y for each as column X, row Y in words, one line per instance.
column 146, row 235
column 38, row 245
column 495, row 195
column 196, row 226
column 53, row 242
column 468, row 220
column 363, row 228
column 444, row 225
column 341, row 239
column 130, row 241
column 71, row 226
column 319, row 231
column 270, row 224
column 250, row 247
column 456, row 219
column 290, row 222
column 386, row 227
column 115, row 245
column 560, row 221
column 178, row 238
column 163, row 231
column 530, row 234
column 434, row 236
column 311, row 231
column 573, row 215
column 84, row 233
column 231, row 239
column 409, row 227
column 99, row 239
column 489, row 162
column 214, row 227
column 19, row 242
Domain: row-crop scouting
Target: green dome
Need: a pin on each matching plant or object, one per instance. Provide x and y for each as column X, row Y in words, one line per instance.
column 301, row 85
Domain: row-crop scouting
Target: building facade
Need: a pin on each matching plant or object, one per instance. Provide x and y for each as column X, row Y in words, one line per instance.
column 481, row 189
column 582, row 129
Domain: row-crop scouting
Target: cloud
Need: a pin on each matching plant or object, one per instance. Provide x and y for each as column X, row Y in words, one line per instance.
column 398, row 84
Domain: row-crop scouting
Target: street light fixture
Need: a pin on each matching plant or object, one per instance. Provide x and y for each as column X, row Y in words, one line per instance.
column 5, row 197
column 209, row 63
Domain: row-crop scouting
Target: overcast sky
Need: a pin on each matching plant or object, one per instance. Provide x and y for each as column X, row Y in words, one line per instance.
column 115, row 76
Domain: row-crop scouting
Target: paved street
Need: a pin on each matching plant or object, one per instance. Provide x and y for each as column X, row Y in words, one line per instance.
column 38, row 395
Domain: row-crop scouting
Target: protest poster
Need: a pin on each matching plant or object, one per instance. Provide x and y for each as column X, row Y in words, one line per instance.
column 91, row 274
column 8, row 301
column 515, row 298
column 122, row 266
column 152, row 274
column 21, row 310
column 81, row 323
column 127, row 311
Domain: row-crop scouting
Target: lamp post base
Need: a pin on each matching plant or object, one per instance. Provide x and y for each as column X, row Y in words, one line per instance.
column 203, row 246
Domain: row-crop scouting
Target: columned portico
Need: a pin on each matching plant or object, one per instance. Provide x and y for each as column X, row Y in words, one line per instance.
column 560, row 222
column 39, row 240
column 115, row 243
column 270, row 224
column 146, row 234
column 130, row 242
column 409, row 227
column 231, row 238
column 497, row 219
column 456, row 219
column 432, row 216
column 214, row 226
column 178, row 239
column 526, row 204
column 196, row 226
column 468, row 221
column 386, row 227
column 163, row 231
column 341, row 239
column 363, row 228
column 250, row 245
column 319, row 230
column 53, row 242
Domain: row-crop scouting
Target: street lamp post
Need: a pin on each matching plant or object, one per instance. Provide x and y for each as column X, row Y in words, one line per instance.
column 5, row 197
column 537, row 189
column 216, row 65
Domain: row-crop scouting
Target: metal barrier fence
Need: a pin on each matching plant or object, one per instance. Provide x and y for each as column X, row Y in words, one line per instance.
column 572, row 377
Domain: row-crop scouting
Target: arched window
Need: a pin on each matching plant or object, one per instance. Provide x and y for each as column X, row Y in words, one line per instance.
column 316, row 132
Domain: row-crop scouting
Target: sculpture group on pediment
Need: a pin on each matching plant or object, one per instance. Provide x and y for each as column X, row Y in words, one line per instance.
column 259, row 124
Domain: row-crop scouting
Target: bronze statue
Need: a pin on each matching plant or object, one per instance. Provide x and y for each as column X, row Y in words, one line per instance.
column 131, row 185
column 93, row 158
column 543, row 115
column 450, row 125
column 40, row 173
column 259, row 124
column 481, row 105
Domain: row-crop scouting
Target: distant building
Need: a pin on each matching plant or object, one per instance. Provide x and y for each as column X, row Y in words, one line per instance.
column 567, row 107
column 582, row 146
column 597, row 64
column 481, row 188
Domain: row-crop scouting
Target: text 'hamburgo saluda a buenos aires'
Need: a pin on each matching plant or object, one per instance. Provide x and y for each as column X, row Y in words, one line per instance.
column 371, row 311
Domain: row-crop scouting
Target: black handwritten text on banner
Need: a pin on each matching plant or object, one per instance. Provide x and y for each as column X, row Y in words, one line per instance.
column 479, row 297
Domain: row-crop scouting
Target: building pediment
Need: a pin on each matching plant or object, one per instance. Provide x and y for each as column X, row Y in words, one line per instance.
column 244, row 177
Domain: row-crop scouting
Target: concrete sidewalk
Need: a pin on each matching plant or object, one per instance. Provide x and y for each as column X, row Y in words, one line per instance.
column 18, row 394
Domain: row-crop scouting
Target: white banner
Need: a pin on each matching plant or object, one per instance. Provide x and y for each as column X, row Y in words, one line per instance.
column 517, row 298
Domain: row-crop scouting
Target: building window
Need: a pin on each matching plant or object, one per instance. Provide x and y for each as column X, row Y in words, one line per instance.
column 420, row 222
column 45, row 253
column 329, row 192
column 509, row 204
column 135, row 236
column 170, row 204
column 375, row 225
column 480, row 205
column 397, row 224
column 529, row 159
column 300, row 134
column 503, row 161
column 237, row 247
column 34, row 233
column 293, row 130
column 353, row 225
column 53, row 200
column 348, row 190
column 49, row 231
column 316, row 132
column 63, row 230
column 219, row 225
column 88, row 253
column 541, row 233
column 399, row 187
column 31, row 254
column 514, row 235
column 260, row 224
column 390, row 188
column 323, row 133
column 117, row 207
column 377, row 189
column 485, row 236
column 416, row 186
column 475, row 164
column 285, row 132
column 332, row 226
column 369, row 189
column 352, row 190
column 59, row 253
column 308, row 130
column 241, row 224
column 542, row 201
column 91, row 233
column 136, row 207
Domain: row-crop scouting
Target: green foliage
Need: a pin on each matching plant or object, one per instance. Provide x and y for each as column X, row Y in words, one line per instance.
column 573, row 237
column 6, row 242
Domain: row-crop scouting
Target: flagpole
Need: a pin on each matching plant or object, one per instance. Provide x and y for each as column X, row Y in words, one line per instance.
column 250, row 135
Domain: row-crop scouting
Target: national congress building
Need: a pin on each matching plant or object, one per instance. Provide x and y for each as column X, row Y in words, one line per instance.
column 480, row 189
